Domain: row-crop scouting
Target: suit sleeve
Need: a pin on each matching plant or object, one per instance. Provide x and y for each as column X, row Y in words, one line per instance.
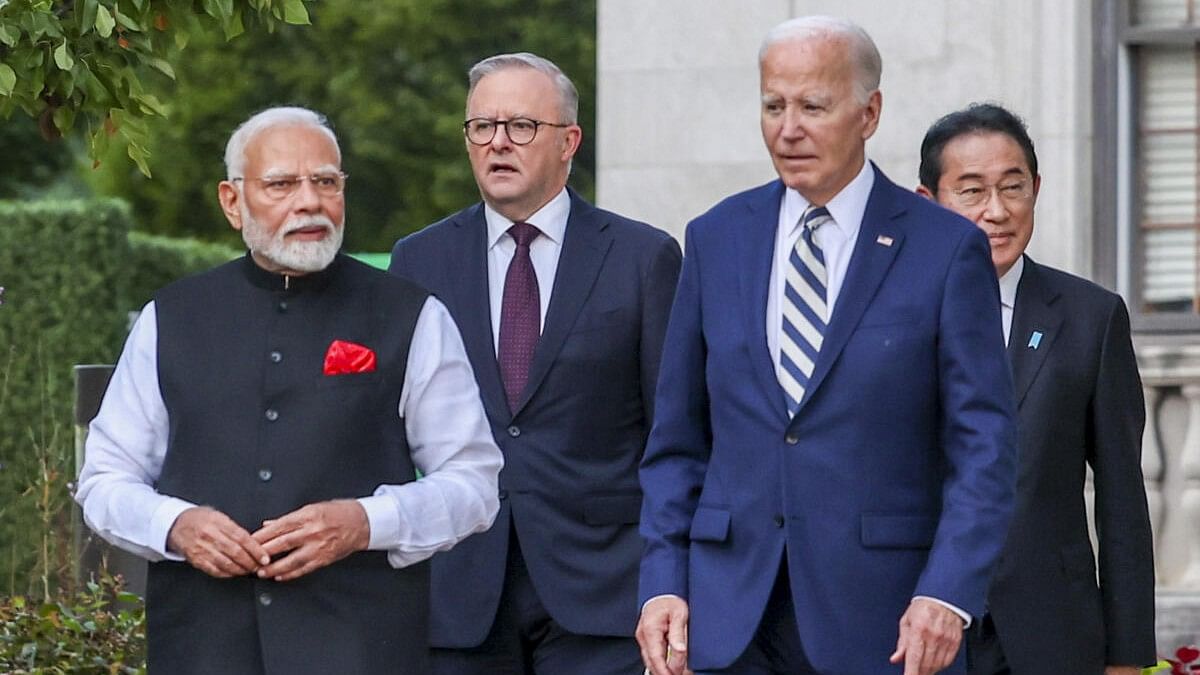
column 396, row 264
column 672, row 470
column 658, row 284
column 1126, row 558
column 978, row 433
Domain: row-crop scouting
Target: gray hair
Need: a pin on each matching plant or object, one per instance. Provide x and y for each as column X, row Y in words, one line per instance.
column 868, row 66
column 567, row 94
column 235, row 149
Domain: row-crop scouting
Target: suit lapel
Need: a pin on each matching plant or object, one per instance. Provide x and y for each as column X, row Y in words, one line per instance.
column 475, row 313
column 1034, row 327
column 756, row 246
column 585, row 244
column 869, row 264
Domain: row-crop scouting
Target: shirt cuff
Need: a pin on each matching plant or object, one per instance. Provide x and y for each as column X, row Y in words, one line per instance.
column 383, row 519
column 965, row 616
column 664, row 595
column 161, row 522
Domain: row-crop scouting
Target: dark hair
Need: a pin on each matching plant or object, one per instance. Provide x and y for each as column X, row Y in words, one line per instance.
column 975, row 118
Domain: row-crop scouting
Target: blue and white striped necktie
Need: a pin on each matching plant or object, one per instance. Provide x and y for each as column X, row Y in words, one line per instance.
column 805, row 312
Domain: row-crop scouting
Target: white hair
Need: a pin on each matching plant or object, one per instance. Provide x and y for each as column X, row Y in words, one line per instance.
column 291, row 116
column 868, row 66
column 567, row 94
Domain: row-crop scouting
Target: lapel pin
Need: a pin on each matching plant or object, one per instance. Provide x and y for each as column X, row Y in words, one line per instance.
column 884, row 239
column 1035, row 339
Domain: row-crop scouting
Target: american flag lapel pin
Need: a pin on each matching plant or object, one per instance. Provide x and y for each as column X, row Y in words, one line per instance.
column 1035, row 339
column 884, row 240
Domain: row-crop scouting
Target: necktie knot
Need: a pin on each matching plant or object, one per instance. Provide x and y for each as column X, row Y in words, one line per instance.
column 814, row 217
column 523, row 233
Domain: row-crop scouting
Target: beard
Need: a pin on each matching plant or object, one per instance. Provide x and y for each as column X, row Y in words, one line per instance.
column 299, row 256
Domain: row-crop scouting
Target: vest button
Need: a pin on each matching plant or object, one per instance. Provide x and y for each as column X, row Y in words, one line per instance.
column 283, row 305
column 779, row 521
column 264, row 599
column 791, row 439
column 272, row 415
column 276, row 357
column 264, row 475
column 503, row 494
column 514, row 431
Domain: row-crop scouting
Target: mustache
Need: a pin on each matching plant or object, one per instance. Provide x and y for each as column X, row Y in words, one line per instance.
column 302, row 222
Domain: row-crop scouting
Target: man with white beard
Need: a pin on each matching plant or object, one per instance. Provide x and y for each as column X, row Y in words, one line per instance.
column 262, row 434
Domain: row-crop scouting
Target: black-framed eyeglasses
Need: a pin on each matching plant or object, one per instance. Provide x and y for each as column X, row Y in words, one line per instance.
column 327, row 184
column 520, row 130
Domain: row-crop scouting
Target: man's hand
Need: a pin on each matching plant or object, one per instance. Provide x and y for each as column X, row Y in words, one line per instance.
column 929, row 637
column 1122, row 670
column 313, row 536
column 662, row 635
column 214, row 544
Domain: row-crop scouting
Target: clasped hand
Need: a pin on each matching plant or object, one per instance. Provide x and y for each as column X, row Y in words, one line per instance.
column 312, row 537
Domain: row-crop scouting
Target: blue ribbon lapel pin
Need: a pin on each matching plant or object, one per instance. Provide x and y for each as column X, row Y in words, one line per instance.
column 1035, row 339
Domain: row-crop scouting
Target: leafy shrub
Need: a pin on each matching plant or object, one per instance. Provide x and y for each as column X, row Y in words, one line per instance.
column 157, row 261
column 100, row 629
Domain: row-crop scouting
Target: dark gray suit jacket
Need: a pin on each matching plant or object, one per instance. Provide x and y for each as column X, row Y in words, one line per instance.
column 1080, row 403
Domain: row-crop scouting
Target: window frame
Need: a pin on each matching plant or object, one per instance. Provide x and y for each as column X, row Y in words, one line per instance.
column 1117, row 250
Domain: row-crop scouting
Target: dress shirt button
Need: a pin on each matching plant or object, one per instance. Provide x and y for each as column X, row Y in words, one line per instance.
column 276, row 357
column 779, row 521
column 283, row 305
column 264, row 599
column 791, row 439
column 264, row 475
column 514, row 431
column 272, row 415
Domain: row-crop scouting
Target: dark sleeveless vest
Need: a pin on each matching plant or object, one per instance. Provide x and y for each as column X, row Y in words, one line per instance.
column 256, row 431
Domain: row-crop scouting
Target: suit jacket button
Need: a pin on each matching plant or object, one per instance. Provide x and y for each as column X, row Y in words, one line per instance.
column 791, row 439
column 514, row 431
column 779, row 521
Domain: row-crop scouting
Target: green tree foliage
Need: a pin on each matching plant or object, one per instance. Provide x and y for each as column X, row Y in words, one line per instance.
column 390, row 75
column 68, row 59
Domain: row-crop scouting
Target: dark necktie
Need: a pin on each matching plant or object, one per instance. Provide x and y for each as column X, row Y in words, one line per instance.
column 520, row 316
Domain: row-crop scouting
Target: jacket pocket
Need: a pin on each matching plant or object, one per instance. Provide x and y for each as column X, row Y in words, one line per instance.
column 881, row 530
column 709, row 524
column 612, row 509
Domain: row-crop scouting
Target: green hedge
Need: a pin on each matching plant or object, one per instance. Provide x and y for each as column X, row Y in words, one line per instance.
column 157, row 261
column 62, row 265
column 72, row 271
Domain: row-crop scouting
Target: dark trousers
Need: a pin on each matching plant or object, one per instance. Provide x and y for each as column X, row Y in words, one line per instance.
column 985, row 656
column 775, row 648
column 525, row 640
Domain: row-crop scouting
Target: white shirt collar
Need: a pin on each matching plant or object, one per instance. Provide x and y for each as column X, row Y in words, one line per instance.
column 1009, row 282
column 551, row 220
column 847, row 207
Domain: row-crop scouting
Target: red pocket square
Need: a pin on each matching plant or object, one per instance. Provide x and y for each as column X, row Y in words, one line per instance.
column 344, row 357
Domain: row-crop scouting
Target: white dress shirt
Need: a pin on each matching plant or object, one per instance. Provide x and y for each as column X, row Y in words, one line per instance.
column 1008, row 294
column 835, row 239
column 551, row 220
column 448, row 434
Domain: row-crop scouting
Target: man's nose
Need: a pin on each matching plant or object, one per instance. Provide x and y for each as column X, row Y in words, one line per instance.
column 793, row 125
column 994, row 208
column 306, row 197
column 500, row 139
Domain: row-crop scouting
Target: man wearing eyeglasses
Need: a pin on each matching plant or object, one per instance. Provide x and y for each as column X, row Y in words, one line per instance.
column 563, row 307
column 261, row 437
column 1079, row 404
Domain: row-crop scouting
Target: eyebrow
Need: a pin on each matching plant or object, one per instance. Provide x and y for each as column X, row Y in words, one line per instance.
column 1017, row 171
column 276, row 172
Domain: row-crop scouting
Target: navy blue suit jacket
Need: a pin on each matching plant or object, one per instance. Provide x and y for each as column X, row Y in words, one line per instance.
column 894, row 479
column 570, row 480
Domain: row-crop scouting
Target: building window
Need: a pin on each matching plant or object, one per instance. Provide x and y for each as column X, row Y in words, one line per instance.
column 1148, row 158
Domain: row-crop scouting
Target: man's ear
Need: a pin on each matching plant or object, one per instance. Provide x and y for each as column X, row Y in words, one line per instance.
column 924, row 192
column 230, row 197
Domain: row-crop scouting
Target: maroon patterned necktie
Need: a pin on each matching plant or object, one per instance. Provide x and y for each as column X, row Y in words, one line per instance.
column 520, row 316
